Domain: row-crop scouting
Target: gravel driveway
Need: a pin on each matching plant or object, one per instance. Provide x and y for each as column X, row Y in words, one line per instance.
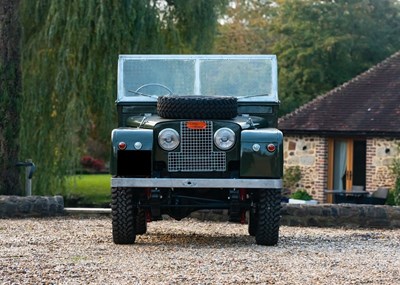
column 70, row 250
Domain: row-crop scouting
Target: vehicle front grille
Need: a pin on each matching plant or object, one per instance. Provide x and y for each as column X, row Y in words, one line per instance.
column 196, row 153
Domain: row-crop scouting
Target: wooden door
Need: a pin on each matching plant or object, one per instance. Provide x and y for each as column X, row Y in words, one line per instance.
column 349, row 164
column 346, row 163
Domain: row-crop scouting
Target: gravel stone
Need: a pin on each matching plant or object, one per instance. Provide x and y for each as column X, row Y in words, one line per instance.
column 72, row 250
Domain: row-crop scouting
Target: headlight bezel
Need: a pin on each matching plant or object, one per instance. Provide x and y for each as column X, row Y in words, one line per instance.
column 224, row 138
column 168, row 139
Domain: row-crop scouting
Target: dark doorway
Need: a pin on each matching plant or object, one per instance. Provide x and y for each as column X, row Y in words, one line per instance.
column 359, row 162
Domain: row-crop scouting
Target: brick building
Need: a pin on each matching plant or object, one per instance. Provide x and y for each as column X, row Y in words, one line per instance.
column 349, row 136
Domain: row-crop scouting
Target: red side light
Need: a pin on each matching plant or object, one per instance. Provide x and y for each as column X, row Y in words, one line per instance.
column 271, row 147
column 196, row 125
column 122, row 145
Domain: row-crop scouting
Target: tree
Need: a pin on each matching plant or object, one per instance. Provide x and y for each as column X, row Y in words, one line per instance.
column 10, row 82
column 244, row 28
column 70, row 53
column 321, row 44
column 195, row 22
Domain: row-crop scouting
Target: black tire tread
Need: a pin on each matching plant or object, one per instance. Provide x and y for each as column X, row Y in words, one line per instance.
column 268, row 217
column 252, row 227
column 123, row 216
column 141, row 222
column 197, row 107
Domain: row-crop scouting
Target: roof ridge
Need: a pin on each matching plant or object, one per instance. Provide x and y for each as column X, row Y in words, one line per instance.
column 338, row 88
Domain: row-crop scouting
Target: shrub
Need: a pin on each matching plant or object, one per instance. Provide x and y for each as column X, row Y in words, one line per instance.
column 291, row 177
column 301, row 195
column 396, row 171
column 396, row 191
column 91, row 163
column 390, row 198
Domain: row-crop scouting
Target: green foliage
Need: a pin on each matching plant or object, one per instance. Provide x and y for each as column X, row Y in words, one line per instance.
column 196, row 22
column 301, row 195
column 396, row 192
column 291, row 177
column 69, row 64
column 321, row 44
column 244, row 28
column 390, row 199
column 395, row 167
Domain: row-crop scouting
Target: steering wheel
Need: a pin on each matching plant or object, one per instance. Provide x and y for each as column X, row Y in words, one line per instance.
column 155, row 84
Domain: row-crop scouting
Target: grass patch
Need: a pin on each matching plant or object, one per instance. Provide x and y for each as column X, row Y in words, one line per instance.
column 88, row 190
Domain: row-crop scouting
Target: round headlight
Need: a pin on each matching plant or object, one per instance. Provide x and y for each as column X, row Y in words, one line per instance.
column 168, row 139
column 224, row 138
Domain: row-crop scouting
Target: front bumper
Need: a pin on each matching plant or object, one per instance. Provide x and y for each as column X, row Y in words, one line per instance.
column 196, row 183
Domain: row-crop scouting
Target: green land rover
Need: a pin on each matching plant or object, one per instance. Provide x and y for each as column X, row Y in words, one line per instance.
column 196, row 132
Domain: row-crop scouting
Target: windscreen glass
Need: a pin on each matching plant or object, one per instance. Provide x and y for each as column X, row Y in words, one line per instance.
column 147, row 78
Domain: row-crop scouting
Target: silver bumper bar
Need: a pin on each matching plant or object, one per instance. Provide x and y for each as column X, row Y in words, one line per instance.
column 196, row 183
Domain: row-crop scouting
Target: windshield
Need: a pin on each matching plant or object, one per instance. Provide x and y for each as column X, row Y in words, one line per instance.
column 247, row 77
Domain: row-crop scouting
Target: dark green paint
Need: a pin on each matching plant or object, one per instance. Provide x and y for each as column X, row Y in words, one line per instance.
column 261, row 163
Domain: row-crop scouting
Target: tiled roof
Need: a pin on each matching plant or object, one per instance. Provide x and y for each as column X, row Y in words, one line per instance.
column 369, row 104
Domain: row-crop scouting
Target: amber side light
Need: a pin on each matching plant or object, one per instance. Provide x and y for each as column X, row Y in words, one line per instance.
column 196, row 125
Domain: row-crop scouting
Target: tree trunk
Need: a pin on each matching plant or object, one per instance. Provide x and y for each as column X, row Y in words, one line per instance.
column 10, row 90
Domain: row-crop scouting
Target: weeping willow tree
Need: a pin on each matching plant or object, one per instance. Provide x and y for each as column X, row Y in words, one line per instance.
column 69, row 62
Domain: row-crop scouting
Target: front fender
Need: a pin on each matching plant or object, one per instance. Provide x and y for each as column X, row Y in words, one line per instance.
column 135, row 159
column 255, row 159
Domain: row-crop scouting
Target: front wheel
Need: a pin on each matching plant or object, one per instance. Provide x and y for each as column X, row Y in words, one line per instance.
column 123, row 212
column 252, row 227
column 268, row 215
column 141, row 222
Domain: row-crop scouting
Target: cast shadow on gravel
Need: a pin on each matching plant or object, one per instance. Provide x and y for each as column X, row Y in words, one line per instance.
column 198, row 240
column 183, row 240
column 189, row 240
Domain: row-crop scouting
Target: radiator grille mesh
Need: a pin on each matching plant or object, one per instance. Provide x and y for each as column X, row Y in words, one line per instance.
column 196, row 153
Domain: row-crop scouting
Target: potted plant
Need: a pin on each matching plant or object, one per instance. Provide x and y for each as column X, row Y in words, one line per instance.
column 302, row 197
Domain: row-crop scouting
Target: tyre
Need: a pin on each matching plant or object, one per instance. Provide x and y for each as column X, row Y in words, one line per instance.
column 141, row 222
column 252, row 222
column 268, row 217
column 197, row 107
column 123, row 212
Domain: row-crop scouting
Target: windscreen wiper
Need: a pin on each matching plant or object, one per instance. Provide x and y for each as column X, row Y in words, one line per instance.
column 143, row 94
column 256, row 95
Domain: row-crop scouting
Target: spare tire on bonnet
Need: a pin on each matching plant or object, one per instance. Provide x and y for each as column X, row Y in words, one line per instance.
column 196, row 107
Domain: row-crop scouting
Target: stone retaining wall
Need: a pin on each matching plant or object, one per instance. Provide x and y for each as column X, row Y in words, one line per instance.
column 341, row 215
column 326, row 215
column 31, row 206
